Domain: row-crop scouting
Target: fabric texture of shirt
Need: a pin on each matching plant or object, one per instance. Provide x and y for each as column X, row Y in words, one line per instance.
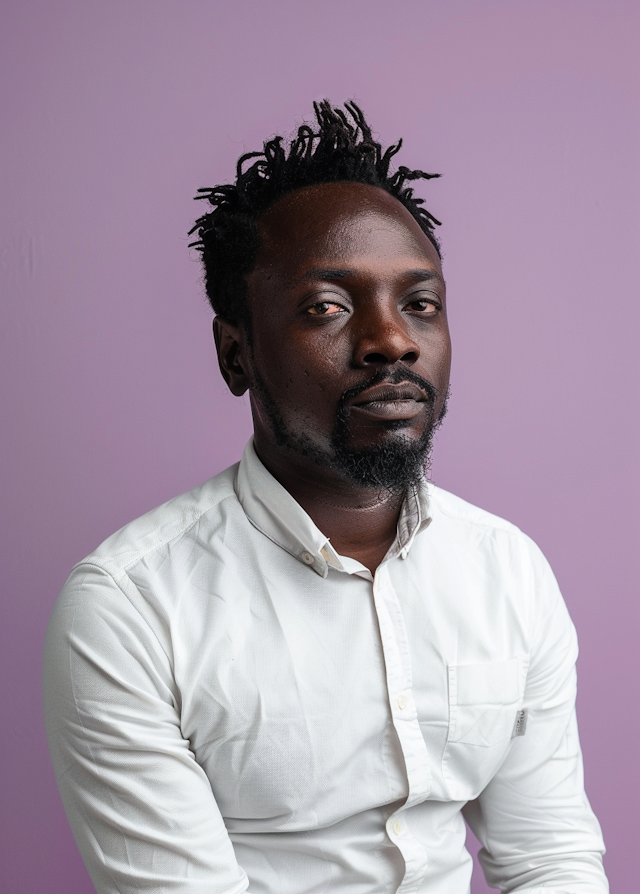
column 232, row 705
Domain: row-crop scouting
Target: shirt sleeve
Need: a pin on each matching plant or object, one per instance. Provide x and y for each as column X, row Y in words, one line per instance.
column 141, row 808
column 535, row 824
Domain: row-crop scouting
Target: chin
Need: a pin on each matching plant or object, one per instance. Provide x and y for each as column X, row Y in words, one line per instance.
column 391, row 464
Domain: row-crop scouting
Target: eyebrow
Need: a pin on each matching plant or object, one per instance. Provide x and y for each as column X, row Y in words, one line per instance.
column 425, row 274
column 345, row 273
column 325, row 273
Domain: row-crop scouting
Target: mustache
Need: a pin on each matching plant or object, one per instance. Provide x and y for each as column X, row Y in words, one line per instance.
column 387, row 377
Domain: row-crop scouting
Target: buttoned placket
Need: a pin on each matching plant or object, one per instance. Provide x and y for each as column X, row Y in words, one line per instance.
column 405, row 720
column 397, row 658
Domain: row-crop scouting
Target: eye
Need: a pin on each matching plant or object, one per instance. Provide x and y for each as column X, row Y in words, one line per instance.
column 325, row 309
column 426, row 303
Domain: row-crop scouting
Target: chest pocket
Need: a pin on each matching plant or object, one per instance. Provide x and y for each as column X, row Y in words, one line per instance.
column 484, row 700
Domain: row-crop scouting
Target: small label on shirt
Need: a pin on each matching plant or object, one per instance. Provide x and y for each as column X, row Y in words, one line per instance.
column 520, row 726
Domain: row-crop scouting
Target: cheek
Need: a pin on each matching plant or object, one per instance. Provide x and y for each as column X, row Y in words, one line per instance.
column 297, row 364
column 445, row 361
column 435, row 359
column 304, row 382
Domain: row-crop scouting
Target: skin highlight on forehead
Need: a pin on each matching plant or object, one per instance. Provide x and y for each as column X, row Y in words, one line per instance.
column 324, row 216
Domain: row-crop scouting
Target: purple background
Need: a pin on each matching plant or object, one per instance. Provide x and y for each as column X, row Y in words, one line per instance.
column 114, row 113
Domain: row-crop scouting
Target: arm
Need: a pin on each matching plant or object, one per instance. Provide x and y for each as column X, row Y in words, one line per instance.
column 140, row 807
column 534, row 821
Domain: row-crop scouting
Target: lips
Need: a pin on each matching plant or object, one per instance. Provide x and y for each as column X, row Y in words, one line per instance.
column 390, row 392
column 390, row 401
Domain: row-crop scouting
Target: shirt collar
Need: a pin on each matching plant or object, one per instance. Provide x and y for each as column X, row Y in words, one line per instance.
column 272, row 510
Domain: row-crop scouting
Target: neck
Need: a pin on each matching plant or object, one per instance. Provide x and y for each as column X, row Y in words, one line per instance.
column 360, row 522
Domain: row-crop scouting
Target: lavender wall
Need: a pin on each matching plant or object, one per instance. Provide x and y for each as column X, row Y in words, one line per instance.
column 114, row 113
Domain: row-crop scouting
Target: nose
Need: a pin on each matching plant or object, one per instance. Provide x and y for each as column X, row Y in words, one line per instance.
column 384, row 339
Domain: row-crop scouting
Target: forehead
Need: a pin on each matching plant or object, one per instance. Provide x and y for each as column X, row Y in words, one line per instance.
column 339, row 219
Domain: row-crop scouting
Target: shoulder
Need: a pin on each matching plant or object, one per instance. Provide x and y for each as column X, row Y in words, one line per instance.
column 167, row 525
column 459, row 510
column 474, row 529
column 132, row 584
column 454, row 513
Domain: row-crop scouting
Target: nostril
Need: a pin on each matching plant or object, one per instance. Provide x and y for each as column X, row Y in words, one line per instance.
column 375, row 358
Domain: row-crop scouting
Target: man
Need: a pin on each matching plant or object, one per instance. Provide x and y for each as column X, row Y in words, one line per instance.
column 299, row 676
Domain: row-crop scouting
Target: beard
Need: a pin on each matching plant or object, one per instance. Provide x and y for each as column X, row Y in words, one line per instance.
column 393, row 466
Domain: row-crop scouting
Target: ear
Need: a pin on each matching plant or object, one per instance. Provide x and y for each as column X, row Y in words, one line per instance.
column 231, row 345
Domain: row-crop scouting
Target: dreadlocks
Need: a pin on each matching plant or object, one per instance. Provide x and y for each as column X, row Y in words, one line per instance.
column 341, row 149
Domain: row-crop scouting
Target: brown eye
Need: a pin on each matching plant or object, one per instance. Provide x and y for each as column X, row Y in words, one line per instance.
column 425, row 304
column 324, row 308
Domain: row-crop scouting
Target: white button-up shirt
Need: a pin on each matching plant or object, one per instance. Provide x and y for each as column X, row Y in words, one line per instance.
column 231, row 704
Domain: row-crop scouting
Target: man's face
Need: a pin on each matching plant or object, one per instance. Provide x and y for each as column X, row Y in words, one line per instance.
column 349, row 353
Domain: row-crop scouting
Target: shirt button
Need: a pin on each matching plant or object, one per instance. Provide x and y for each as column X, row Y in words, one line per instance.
column 402, row 702
column 397, row 828
column 307, row 558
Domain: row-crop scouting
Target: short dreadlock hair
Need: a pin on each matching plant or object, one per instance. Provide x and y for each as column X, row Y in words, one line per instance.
column 341, row 149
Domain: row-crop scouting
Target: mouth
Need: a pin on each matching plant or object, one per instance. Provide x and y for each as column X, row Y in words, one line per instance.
column 391, row 402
